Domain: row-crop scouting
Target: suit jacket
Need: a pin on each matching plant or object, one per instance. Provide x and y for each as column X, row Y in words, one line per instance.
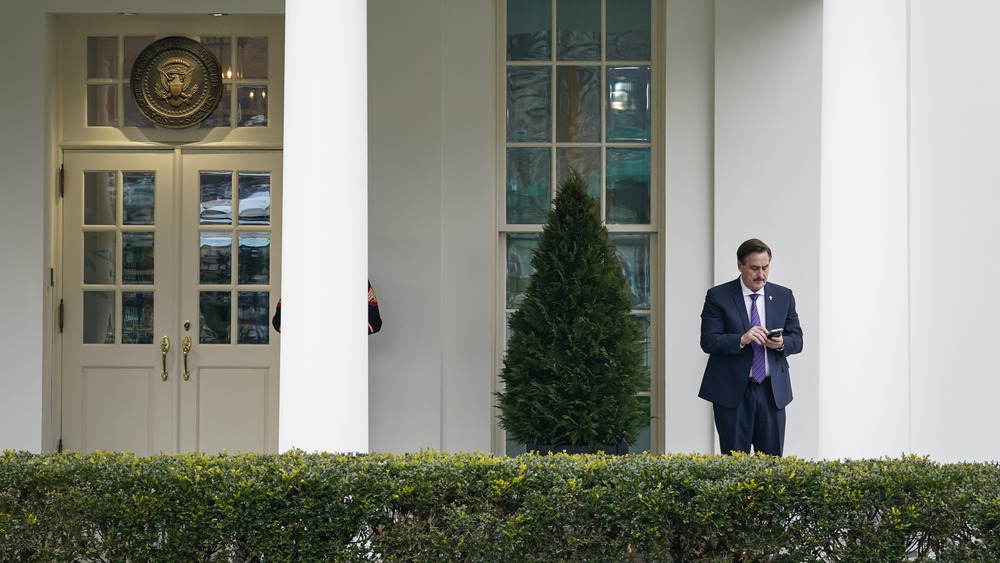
column 723, row 321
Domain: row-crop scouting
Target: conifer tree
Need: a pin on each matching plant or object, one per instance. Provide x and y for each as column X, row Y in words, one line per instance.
column 574, row 362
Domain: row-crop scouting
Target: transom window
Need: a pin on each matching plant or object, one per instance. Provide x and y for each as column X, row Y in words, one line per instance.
column 244, row 64
column 579, row 86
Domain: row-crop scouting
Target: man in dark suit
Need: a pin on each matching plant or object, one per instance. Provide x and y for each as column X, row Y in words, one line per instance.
column 746, row 378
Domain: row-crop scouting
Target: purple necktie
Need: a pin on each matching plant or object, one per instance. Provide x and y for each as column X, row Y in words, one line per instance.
column 758, row 371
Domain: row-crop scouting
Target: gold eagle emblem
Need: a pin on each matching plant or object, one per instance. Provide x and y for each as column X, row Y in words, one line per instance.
column 175, row 85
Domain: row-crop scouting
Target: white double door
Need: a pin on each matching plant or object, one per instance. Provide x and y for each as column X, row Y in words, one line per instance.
column 170, row 276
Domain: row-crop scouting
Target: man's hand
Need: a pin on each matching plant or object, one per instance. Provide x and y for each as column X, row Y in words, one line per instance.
column 758, row 334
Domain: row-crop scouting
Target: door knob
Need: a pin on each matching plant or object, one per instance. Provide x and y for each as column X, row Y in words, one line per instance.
column 164, row 347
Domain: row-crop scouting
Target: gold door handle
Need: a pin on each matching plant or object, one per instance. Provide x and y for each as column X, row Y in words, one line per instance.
column 164, row 347
column 186, row 346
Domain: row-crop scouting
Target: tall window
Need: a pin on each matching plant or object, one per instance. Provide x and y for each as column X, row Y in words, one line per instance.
column 579, row 93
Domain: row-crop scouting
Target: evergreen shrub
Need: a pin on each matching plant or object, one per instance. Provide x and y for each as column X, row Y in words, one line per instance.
column 574, row 362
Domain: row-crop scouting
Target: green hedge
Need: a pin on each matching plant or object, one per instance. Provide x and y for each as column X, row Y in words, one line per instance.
column 433, row 506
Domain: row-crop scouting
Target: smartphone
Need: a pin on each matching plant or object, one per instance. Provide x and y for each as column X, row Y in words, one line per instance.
column 775, row 332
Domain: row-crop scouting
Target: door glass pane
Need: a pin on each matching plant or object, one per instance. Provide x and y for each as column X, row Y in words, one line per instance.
column 529, row 106
column 102, row 105
column 253, row 317
column 579, row 23
column 98, row 317
column 254, row 258
column 137, row 257
column 628, row 104
column 529, row 30
column 215, row 314
column 137, row 317
column 99, row 257
column 628, row 30
column 578, row 104
column 102, row 57
column 252, row 106
column 251, row 56
column 255, row 198
column 633, row 252
column 216, row 258
column 528, row 185
column 100, row 198
column 216, row 198
column 521, row 248
column 628, row 186
column 138, row 192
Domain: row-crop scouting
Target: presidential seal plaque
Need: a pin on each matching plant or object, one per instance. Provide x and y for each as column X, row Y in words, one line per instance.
column 176, row 82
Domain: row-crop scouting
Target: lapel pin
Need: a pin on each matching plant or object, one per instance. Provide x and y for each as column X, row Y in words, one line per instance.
column 770, row 297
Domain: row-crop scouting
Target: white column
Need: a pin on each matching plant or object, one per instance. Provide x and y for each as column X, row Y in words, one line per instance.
column 324, row 347
column 864, row 319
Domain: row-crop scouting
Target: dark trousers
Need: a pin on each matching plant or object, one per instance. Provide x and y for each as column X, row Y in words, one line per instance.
column 756, row 422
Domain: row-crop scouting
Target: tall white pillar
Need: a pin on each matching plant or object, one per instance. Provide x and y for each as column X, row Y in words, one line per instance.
column 324, row 347
column 864, row 318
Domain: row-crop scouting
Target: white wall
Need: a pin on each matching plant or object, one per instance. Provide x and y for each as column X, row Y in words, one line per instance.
column 768, row 78
column 431, row 223
column 687, row 263
column 954, row 198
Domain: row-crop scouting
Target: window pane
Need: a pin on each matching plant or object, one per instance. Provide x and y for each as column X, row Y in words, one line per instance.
column 628, row 103
column 252, row 106
column 628, row 186
column 216, row 198
column 586, row 161
column 222, row 47
column 628, row 30
column 133, row 117
column 215, row 315
column 253, row 317
column 255, row 198
column 222, row 116
column 133, row 46
column 98, row 317
column 255, row 258
column 521, row 248
column 137, row 317
column 529, row 30
column 251, row 56
column 102, row 105
column 138, row 191
column 644, row 323
column 633, row 251
column 529, row 105
column 579, row 23
column 99, row 257
column 216, row 258
column 102, row 57
column 100, row 198
column 642, row 443
column 578, row 104
column 528, row 190
column 137, row 258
